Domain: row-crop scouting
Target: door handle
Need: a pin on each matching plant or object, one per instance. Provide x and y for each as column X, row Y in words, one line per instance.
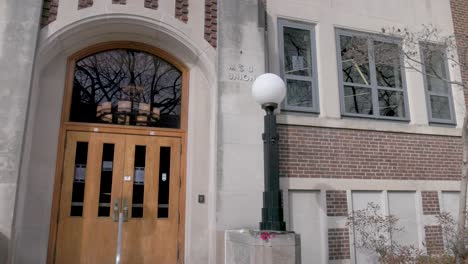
column 115, row 216
column 125, row 209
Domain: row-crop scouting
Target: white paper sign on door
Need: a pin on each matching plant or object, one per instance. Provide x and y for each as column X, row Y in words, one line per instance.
column 107, row 166
column 139, row 175
column 80, row 172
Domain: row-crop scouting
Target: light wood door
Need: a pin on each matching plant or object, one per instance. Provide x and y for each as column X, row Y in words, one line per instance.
column 141, row 173
column 151, row 237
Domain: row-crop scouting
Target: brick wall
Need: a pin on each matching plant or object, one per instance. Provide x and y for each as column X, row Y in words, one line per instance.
column 181, row 10
column 337, row 203
column 152, row 4
column 434, row 240
column 314, row 152
column 338, row 244
column 49, row 12
column 430, row 202
column 211, row 22
column 84, row 3
column 460, row 24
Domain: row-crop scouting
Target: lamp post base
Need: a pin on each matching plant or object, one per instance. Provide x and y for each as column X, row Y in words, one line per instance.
column 272, row 212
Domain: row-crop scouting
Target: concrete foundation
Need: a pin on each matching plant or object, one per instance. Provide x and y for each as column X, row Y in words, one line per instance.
column 257, row 247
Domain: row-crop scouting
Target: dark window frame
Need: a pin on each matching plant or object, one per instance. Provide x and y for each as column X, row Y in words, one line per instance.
column 313, row 79
column 449, row 94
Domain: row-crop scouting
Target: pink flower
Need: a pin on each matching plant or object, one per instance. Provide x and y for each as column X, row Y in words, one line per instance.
column 265, row 236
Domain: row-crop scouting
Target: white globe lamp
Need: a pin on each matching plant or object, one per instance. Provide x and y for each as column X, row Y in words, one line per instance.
column 268, row 90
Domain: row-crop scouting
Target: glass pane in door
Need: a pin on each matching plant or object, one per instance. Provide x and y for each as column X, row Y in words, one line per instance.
column 106, row 180
column 138, row 182
column 81, row 158
column 164, row 179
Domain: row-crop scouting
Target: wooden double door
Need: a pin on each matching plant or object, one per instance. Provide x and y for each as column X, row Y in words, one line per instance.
column 108, row 174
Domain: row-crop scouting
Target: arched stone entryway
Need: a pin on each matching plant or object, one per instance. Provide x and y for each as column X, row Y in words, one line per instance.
column 42, row 143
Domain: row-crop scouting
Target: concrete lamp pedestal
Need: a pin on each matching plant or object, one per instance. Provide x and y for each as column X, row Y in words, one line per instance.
column 262, row 247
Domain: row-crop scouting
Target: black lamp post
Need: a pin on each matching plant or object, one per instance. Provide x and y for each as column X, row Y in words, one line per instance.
column 269, row 90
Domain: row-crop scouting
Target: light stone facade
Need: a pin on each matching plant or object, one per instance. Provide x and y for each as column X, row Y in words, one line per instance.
column 224, row 145
column 19, row 27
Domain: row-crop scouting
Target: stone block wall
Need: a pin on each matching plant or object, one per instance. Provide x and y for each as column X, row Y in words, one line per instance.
column 19, row 24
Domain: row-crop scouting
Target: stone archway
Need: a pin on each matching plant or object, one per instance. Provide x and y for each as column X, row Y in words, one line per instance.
column 42, row 136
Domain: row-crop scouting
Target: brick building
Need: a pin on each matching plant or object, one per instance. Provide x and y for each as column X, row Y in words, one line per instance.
column 143, row 109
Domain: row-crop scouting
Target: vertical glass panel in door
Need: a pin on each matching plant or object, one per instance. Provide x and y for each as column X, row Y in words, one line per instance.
column 105, row 189
column 81, row 158
column 139, row 182
column 164, row 180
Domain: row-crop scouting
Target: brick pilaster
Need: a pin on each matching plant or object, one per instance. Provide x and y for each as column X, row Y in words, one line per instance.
column 181, row 10
column 338, row 244
column 49, row 12
column 84, row 3
column 434, row 240
column 430, row 202
column 211, row 22
column 460, row 25
column 152, row 4
column 337, row 203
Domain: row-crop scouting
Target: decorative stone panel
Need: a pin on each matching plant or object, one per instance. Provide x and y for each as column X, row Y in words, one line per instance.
column 211, row 22
column 49, row 12
column 152, row 4
column 430, row 202
column 84, row 3
column 434, row 240
column 338, row 244
column 181, row 10
column 314, row 152
column 337, row 203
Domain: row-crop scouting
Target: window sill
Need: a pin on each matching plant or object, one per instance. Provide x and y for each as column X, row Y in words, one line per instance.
column 288, row 118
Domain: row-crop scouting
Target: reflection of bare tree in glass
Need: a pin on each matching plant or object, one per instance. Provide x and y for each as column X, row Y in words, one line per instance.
column 299, row 93
column 388, row 103
column 355, row 68
column 297, row 44
column 101, row 77
column 386, row 60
